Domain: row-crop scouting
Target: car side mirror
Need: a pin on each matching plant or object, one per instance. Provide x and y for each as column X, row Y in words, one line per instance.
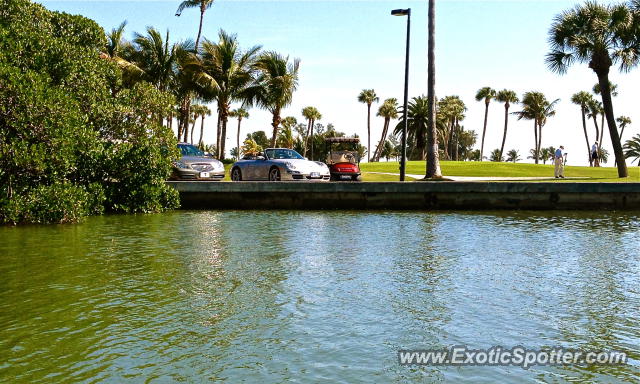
column 260, row 158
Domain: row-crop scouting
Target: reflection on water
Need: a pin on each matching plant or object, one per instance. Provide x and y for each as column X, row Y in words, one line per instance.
column 314, row 296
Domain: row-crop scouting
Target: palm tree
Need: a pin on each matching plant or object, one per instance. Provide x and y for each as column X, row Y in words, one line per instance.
column 183, row 86
column 312, row 115
column 600, row 35
column 548, row 110
column 433, row 161
column 163, row 65
column 203, row 111
column 203, row 5
column 530, row 111
column 240, row 114
column 595, row 109
column 195, row 113
column 285, row 135
column 274, row 86
column 225, row 73
column 513, row 156
column 584, row 99
column 115, row 50
column 388, row 110
column 450, row 111
column 632, row 149
column 603, row 155
column 368, row 96
column 155, row 57
column 418, row 125
column 507, row 97
column 486, row 94
column 546, row 154
column 623, row 121
column 536, row 107
column 495, row 155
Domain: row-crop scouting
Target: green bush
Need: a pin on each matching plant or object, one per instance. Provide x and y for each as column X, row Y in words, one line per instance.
column 70, row 144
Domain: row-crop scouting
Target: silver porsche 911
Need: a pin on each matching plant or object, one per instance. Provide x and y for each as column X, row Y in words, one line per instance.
column 277, row 164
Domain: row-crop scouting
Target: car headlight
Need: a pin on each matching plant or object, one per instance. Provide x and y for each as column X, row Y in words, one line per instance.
column 289, row 166
column 321, row 164
column 218, row 165
column 180, row 164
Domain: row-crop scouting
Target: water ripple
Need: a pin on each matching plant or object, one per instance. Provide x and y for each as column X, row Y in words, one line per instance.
column 314, row 296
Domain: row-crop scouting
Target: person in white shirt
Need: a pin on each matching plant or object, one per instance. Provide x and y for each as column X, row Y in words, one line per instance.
column 559, row 162
column 594, row 154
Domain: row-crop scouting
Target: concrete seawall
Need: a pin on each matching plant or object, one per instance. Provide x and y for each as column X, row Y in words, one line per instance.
column 414, row 195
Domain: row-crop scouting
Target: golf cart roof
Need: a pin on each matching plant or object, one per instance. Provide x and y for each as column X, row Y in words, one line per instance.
column 342, row 140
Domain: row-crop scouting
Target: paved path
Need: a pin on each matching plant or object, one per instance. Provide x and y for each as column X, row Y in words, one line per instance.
column 479, row 178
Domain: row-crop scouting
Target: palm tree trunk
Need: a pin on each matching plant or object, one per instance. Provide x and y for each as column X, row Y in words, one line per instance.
column 452, row 137
column 385, row 127
column 539, row 146
column 275, row 123
column 535, row 143
column 621, row 132
column 445, row 138
column 201, row 142
column 218, row 129
column 458, row 131
column 193, row 128
column 506, row 124
column 312, row 124
column 603, row 79
column 595, row 122
column 223, row 139
column 238, row 136
column 186, row 117
column 601, row 132
column 586, row 135
column 484, row 128
column 433, row 162
column 306, row 139
column 202, row 10
column 368, row 132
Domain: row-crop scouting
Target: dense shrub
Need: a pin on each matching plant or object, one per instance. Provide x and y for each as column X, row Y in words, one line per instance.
column 72, row 143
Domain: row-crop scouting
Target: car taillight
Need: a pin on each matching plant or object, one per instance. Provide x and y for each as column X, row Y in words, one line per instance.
column 347, row 168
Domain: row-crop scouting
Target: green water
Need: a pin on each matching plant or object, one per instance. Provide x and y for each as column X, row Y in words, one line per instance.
column 271, row 297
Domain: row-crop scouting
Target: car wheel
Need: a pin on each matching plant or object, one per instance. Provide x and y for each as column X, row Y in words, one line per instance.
column 236, row 174
column 274, row 174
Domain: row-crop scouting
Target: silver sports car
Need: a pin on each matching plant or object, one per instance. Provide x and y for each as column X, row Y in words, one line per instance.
column 279, row 164
column 195, row 165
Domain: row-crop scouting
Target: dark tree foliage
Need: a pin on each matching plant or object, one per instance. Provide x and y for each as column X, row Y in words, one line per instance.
column 70, row 144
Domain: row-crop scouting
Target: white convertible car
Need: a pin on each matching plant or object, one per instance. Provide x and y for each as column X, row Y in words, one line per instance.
column 277, row 164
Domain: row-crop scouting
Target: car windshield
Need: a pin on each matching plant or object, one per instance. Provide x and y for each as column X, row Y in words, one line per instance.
column 190, row 150
column 282, row 154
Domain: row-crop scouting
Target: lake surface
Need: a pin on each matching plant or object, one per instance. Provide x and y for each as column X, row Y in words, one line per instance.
column 272, row 297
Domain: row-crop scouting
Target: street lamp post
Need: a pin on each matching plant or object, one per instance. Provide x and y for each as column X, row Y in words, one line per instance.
column 403, row 158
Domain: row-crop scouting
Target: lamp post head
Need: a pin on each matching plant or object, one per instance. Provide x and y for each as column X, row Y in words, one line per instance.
column 401, row 12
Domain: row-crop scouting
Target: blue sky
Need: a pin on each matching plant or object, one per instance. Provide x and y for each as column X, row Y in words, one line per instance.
column 345, row 46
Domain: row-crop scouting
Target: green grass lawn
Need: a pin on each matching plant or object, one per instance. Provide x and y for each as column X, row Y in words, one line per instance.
column 487, row 169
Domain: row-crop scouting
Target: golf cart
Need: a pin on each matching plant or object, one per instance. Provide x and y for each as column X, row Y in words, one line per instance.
column 343, row 158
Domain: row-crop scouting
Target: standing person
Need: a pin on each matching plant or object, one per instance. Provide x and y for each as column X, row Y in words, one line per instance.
column 594, row 154
column 559, row 162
